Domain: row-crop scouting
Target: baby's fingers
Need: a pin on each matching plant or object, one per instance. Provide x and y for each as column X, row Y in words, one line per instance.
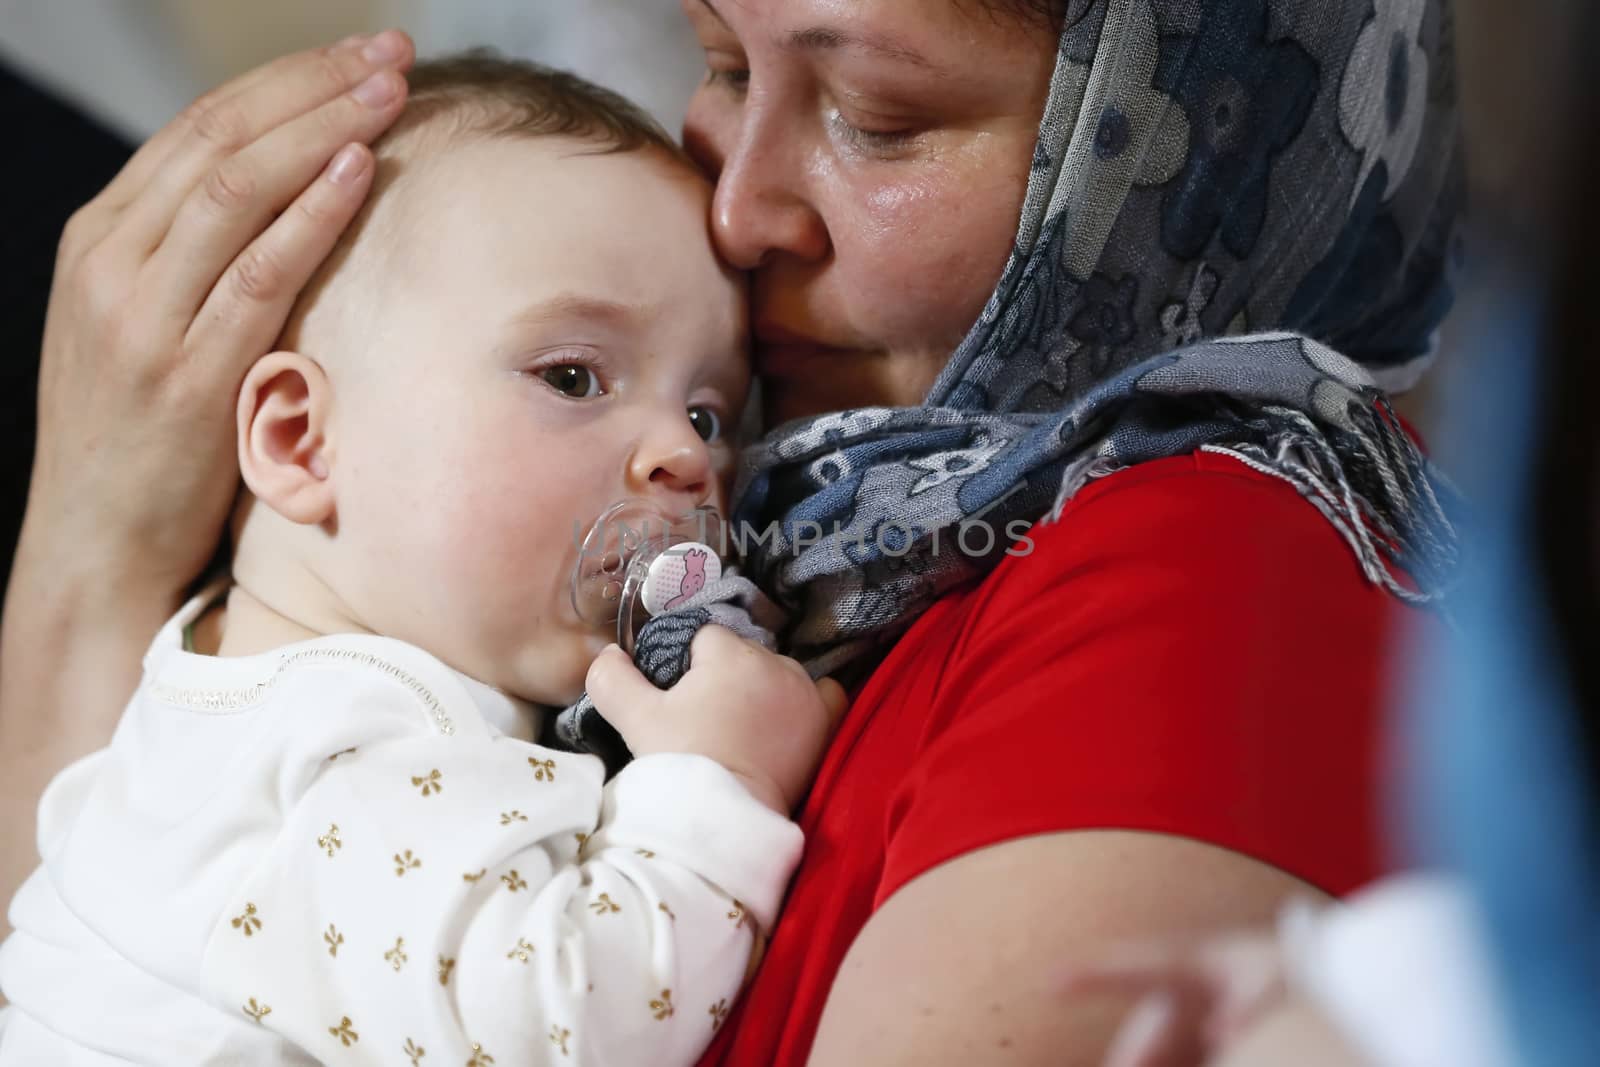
column 834, row 699
column 620, row 692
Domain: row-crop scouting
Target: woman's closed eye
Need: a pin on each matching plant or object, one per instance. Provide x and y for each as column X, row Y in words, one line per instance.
column 734, row 79
column 882, row 142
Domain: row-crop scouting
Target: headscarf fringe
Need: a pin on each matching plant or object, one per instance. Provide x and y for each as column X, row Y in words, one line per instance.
column 1374, row 488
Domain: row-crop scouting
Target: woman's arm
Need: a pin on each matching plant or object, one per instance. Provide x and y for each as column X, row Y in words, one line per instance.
column 166, row 286
column 1147, row 669
column 965, row 963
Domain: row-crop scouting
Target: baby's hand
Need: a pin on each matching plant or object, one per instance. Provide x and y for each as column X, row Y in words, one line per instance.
column 755, row 712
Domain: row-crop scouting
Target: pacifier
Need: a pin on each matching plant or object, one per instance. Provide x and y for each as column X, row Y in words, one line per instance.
column 637, row 562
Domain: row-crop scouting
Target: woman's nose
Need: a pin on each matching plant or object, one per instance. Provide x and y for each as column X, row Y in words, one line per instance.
column 762, row 207
column 673, row 464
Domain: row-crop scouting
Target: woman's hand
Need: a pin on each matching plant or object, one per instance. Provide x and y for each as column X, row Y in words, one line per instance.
column 1196, row 997
column 753, row 711
column 170, row 282
column 167, row 285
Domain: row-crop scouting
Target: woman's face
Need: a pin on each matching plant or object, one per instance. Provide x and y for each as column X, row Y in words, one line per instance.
column 871, row 158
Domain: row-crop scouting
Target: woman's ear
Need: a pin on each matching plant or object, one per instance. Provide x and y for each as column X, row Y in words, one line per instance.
column 284, row 450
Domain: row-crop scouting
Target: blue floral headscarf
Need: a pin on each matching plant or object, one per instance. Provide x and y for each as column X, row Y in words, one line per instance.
column 1206, row 170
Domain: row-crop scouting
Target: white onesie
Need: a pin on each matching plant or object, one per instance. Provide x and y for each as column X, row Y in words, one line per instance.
column 342, row 851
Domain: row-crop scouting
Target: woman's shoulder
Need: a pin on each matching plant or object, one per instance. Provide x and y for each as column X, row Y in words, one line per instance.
column 1222, row 575
column 1190, row 648
column 1196, row 534
column 1196, row 506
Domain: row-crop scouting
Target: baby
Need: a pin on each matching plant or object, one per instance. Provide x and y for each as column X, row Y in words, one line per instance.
column 323, row 831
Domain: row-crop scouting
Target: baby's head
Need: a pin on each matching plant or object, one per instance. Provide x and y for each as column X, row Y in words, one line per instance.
column 526, row 324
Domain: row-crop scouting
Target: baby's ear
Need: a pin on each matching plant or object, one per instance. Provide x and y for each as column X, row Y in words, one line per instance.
column 283, row 437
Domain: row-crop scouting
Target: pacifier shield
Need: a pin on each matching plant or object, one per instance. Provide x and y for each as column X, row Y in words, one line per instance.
column 634, row 545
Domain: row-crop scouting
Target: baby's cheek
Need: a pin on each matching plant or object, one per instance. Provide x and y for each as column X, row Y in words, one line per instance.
column 517, row 520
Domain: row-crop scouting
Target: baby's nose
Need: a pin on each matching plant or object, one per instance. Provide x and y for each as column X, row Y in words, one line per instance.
column 676, row 463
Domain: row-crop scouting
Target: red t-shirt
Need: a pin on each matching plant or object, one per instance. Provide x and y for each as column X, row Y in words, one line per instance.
column 1192, row 649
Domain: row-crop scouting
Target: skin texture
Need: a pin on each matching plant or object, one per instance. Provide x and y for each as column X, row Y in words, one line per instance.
column 874, row 194
column 484, row 374
column 988, row 988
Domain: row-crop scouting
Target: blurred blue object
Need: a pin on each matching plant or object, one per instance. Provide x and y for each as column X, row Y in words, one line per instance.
column 1498, row 790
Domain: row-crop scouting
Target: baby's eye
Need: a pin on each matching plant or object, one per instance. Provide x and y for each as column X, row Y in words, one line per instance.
column 705, row 423
column 572, row 379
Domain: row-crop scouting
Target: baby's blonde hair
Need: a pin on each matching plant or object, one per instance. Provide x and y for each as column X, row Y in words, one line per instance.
column 480, row 95
column 479, row 92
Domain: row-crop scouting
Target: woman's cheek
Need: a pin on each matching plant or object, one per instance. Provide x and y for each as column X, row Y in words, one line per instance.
column 937, row 253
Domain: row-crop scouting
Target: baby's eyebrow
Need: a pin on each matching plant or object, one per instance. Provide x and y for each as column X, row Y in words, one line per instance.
column 570, row 306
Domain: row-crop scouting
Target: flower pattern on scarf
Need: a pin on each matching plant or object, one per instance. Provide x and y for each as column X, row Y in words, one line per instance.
column 1141, row 137
column 960, row 463
column 1247, row 97
column 1104, row 319
column 1386, row 127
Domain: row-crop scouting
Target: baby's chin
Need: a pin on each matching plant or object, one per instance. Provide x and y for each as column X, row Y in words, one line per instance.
column 553, row 676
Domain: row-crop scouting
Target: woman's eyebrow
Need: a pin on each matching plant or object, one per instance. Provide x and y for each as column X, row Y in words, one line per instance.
column 823, row 38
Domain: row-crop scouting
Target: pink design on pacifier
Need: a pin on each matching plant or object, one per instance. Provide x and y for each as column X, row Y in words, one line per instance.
column 677, row 575
column 637, row 561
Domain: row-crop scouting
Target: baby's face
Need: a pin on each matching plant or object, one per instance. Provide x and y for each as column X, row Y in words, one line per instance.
column 554, row 334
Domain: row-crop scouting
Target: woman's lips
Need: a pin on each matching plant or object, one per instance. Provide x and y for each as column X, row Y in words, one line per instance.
column 785, row 352
column 791, row 359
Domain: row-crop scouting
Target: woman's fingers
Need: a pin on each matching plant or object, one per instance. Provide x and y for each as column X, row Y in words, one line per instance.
column 237, row 116
column 242, row 193
column 136, row 172
column 246, row 309
column 1158, row 1032
column 1134, row 969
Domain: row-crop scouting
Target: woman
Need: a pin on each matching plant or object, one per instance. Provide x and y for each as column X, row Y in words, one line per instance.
column 1125, row 729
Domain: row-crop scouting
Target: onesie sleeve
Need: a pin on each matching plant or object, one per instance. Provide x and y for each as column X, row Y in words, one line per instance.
column 484, row 900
